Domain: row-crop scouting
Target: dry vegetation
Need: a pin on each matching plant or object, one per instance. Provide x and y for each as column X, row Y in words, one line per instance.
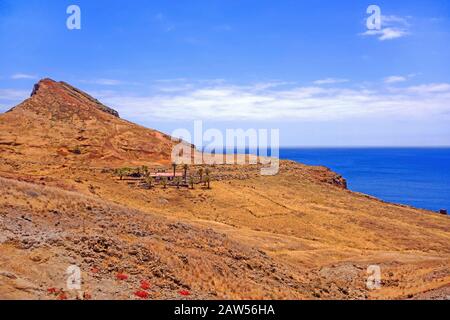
column 299, row 234
column 46, row 229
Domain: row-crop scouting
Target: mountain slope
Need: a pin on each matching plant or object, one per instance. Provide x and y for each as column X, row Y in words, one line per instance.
column 301, row 233
column 58, row 228
column 61, row 124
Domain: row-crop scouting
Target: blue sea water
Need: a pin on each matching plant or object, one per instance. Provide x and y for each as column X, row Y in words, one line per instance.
column 419, row 177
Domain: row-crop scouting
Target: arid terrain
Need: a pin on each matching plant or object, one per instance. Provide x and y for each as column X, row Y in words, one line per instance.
column 296, row 235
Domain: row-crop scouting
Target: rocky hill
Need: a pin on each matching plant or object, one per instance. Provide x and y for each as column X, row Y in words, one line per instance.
column 61, row 124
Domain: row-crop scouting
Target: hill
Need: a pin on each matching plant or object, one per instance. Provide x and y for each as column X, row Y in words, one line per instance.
column 300, row 234
column 63, row 125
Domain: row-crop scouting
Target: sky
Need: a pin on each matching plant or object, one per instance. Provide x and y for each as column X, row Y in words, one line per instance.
column 311, row 68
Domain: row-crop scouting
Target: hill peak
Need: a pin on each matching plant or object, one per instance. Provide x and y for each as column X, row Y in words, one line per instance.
column 61, row 96
column 60, row 123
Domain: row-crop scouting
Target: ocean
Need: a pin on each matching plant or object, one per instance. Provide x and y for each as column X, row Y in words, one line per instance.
column 419, row 177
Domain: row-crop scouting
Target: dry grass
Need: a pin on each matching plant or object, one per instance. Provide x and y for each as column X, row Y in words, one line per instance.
column 301, row 233
column 90, row 232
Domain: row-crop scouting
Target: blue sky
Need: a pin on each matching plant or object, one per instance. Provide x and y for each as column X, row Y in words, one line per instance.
column 309, row 68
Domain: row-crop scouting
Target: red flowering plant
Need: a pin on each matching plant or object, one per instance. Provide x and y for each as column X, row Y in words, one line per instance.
column 52, row 291
column 87, row 296
column 145, row 285
column 184, row 293
column 95, row 270
column 141, row 294
column 121, row 276
column 62, row 296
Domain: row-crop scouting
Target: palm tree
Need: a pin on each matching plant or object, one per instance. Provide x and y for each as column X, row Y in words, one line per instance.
column 178, row 182
column 174, row 166
column 208, row 181
column 207, row 172
column 200, row 173
column 121, row 172
column 191, row 181
column 149, row 181
column 144, row 171
column 164, row 182
column 185, row 169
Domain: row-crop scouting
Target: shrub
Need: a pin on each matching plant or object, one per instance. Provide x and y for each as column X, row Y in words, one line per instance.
column 184, row 293
column 141, row 294
column 76, row 150
column 145, row 285
column 52, row 290
column 122, row 276
column 62, row 296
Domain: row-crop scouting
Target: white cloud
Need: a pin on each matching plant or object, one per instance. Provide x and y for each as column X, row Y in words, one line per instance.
column 392, row 27
column 330, row 81
column 271, row 101
column 250, row 102
column 395, row 79
column 106, row 82
column 23, row 76
column 13, row 94
column 393, row 20
column 430, row 88
column 386, row 33
column 391, row 33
